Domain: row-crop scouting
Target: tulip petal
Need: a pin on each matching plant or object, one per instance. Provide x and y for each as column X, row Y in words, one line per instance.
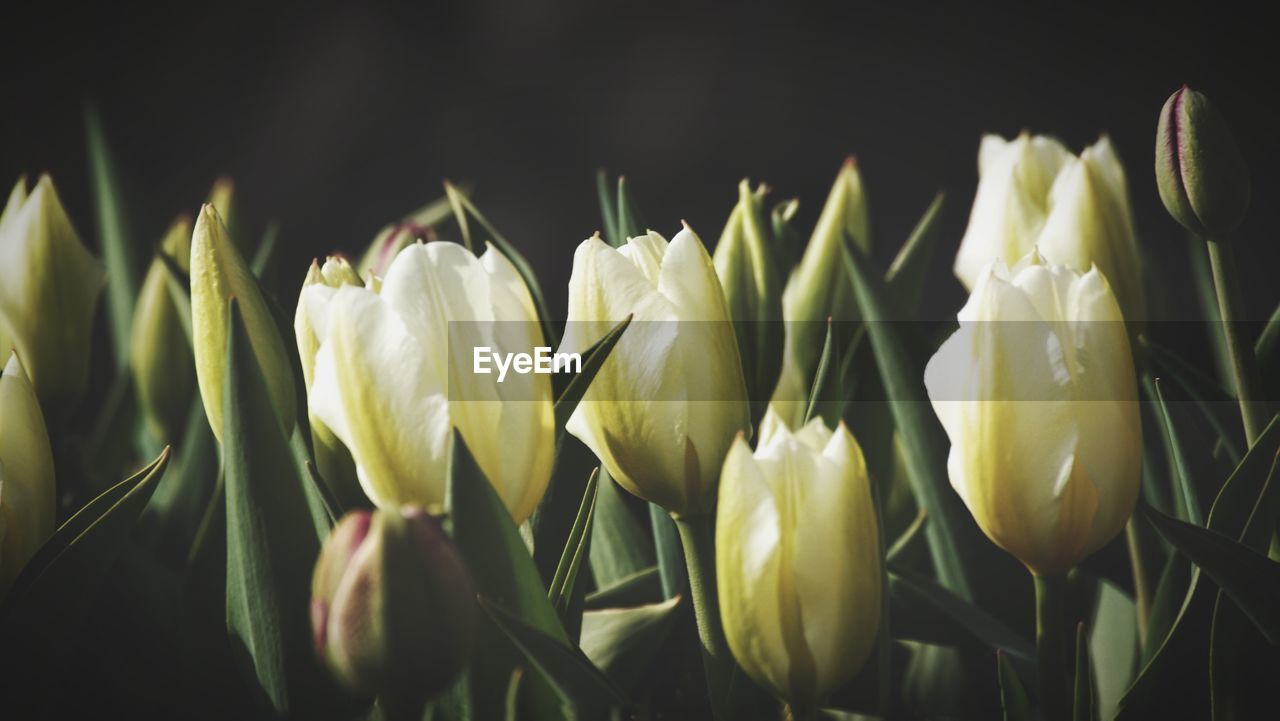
column 375, row 391
column 748, row 565
column 26, row 473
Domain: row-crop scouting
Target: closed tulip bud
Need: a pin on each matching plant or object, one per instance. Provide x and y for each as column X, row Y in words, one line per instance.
column 1036, row 391
column 819, row 288
column 333, row 460
column 392, row 605
column 798, row 559
column 1202, row 176
column 1033, row 193
column 49, row 285
column 665, row 406
column 394, row 375
column 26, row 474
column 749, row 274
column 218, row 272
column 159, row 354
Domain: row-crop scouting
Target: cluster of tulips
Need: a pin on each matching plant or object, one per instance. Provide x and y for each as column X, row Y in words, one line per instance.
column 396, row 534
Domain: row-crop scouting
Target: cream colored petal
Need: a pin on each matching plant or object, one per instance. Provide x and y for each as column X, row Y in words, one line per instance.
column 26, row 458
column 374, row 391
column 747, row 562
column 646, row 252
column 837, row 562
column 49, row 287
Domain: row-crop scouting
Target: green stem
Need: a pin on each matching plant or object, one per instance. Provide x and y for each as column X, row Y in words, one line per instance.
column 697, row 535
column 1244, row 366
column 1051, row 647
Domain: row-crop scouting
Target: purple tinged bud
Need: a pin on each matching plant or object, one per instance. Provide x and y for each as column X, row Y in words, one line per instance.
column 1202, row 176
column 393, row 606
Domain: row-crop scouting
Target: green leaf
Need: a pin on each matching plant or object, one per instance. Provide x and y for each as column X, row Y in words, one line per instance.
column 907, row 273
column 462, row 208
column 266, row 251
column 608, row 211
column 1250, row 578
column 180, row 291
column 909, row 539
column 503, row 572
column 1176, row 657
column 1245, row 508
column 122, row 256
column 569, row 388
column 907, row 586
column 1083, row 697
column 1113, row 646
column 670, row 553
column 565, row 586
column 1013, row 695
column 1215, row 403
column 620, row 545
column 630, row 223
column 272, row 543
column 48, row 598
column 826, row 380
column 950, row 528
column 640, row 588
column 623, row 642
column 579, row 683
column 1181, row 468
column 181, row 499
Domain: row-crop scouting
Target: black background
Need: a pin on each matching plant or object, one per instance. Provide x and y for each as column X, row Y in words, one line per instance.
column 336, row 119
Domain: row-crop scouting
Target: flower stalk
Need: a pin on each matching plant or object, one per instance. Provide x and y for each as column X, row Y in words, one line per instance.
column 1244, row 366
column 697, row 535
column 1051, row 646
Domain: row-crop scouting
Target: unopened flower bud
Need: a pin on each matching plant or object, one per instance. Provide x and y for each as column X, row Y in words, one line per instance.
column 1202, row 176
column 392, row 605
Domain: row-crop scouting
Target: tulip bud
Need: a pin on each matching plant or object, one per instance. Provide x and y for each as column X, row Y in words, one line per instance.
column 26, row 474
column 748, row 271
column 393, row 376
column 665, row 406
column 218, row 272
column 49, row 285
column 1034, row 194
column 333, row 460
column 819, row 288
column 1036, row 391
column 392, row 605
column 798, row 559
column 159, row 354
column 1202, row 176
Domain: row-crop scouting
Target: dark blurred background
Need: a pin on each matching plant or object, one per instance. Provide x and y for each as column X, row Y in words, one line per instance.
column 336, row 119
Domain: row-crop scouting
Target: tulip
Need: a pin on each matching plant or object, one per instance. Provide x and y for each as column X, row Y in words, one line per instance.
column 333, row 460
column 49, row 285
column 218, row 272
column 159, row 354
column 668, row 401
column 818, row 288
column 26, row 474
column 1033, row 193
column 392, row 605
column 798, row 559
column 393, row 376
column 1204, row 184
column 1202, row 176
column 747, row 266
column 1036, row 391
